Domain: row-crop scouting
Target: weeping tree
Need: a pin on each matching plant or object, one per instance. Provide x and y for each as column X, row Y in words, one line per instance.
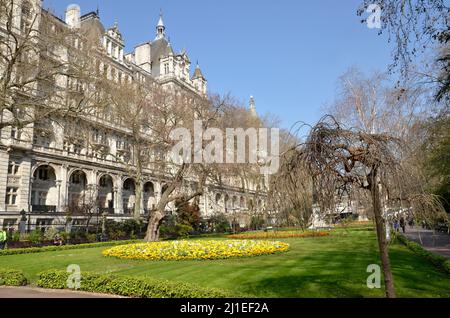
column 338, row 159
column 290, row 192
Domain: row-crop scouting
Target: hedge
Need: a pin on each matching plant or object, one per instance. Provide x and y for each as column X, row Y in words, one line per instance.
column 436, row 259
column 62, row 248
column 12, row 277
column 129, row 286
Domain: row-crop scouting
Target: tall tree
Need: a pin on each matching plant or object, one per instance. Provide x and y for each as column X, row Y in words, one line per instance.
column 342, row 159
column 46, row 68
column 415, row 27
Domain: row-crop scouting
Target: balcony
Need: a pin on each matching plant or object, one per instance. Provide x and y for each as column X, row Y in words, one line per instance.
column 106, row 210
column 43, row 208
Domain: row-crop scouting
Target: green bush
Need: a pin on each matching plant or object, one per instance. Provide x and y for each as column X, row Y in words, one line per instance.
column 220, row 223
column 447, row 266
column 50, row 234
column 14, row 236
column 131, row 227
column 12, row 277
column 63, row 248
column 65, row 236
column 78, row 234
column 129, row 286
column 182, row 230
column 91, row 238
column 35, row 237
column 436, row 259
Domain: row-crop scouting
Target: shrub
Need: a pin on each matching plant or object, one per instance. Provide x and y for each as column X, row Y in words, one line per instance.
column 78, row 234
column 50, row 234
column 91, row 238
column 131, row 227
column 62, row 248
column 65, row 236
column 220, row 223
column 182, row 230
column 130, row 286
column 447, row 266
column 14, row 236
column 35, row 237
column 12, row 277
column 188, row 214
column 257, row 222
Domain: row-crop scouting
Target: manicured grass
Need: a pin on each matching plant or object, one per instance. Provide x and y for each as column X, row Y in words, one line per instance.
column 333, row 266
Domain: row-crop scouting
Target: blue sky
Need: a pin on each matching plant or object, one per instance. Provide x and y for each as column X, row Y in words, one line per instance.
column 287, row 53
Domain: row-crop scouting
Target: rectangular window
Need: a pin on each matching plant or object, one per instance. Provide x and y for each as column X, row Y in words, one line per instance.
column 77, row 149
column 11, row 196
column 16, row 133
column 13, row 168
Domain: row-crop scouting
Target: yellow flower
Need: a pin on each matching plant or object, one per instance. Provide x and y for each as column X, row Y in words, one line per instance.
column 190, row 250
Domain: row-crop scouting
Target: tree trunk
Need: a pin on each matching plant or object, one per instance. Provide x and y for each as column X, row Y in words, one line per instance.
column 152, row 234
column 137, row 203
column 381, row 234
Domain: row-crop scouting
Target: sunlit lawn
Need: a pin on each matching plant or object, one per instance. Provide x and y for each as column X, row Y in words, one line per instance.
column 333, row 266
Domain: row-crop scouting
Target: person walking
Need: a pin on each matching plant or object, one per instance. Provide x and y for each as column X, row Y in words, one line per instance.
column 403, row 224
column 396, row 227
column 2, row 239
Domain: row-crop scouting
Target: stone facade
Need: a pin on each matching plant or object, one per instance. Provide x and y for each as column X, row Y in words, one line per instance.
column 44, row 175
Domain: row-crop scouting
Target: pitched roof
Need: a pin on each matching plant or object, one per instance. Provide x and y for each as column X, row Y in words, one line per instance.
column 198, row 73
column 160, row 47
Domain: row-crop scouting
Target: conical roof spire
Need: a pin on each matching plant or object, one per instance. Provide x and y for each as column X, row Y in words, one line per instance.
column 198, row 72
column 252, row 106
column 160, row 28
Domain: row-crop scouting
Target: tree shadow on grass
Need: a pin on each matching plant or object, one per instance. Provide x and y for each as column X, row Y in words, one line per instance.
column 328, row 274
column 344, row 274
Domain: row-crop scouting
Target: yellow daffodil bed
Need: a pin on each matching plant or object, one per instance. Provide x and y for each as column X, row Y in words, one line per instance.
column 195, row 250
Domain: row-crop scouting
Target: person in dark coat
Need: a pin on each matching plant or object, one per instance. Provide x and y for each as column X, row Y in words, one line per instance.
column 403, row 224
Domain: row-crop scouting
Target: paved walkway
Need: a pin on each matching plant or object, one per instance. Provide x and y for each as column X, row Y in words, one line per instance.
column 30, row 292
column 434, row 242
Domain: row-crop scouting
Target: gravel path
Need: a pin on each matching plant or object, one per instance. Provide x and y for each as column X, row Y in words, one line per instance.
column 30, row 292
column 434, row 242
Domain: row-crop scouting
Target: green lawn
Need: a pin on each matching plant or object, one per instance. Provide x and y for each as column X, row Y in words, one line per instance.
column 333, row 266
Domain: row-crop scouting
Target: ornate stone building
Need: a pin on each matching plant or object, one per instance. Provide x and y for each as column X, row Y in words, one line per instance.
column 44, row 174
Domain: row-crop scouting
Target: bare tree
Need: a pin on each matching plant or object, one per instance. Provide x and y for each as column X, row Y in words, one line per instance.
column 415, row 27
column 48, row 69
column 291, row 200
column 169, row 111
column 371, row 104
column 341, row 159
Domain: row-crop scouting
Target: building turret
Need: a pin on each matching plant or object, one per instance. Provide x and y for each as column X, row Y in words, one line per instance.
column 252, row 107
column 160, row 28
column 199, row 80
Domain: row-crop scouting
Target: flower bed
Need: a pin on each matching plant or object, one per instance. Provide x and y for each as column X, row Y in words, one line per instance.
column 195, row 250
column 278, row 234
